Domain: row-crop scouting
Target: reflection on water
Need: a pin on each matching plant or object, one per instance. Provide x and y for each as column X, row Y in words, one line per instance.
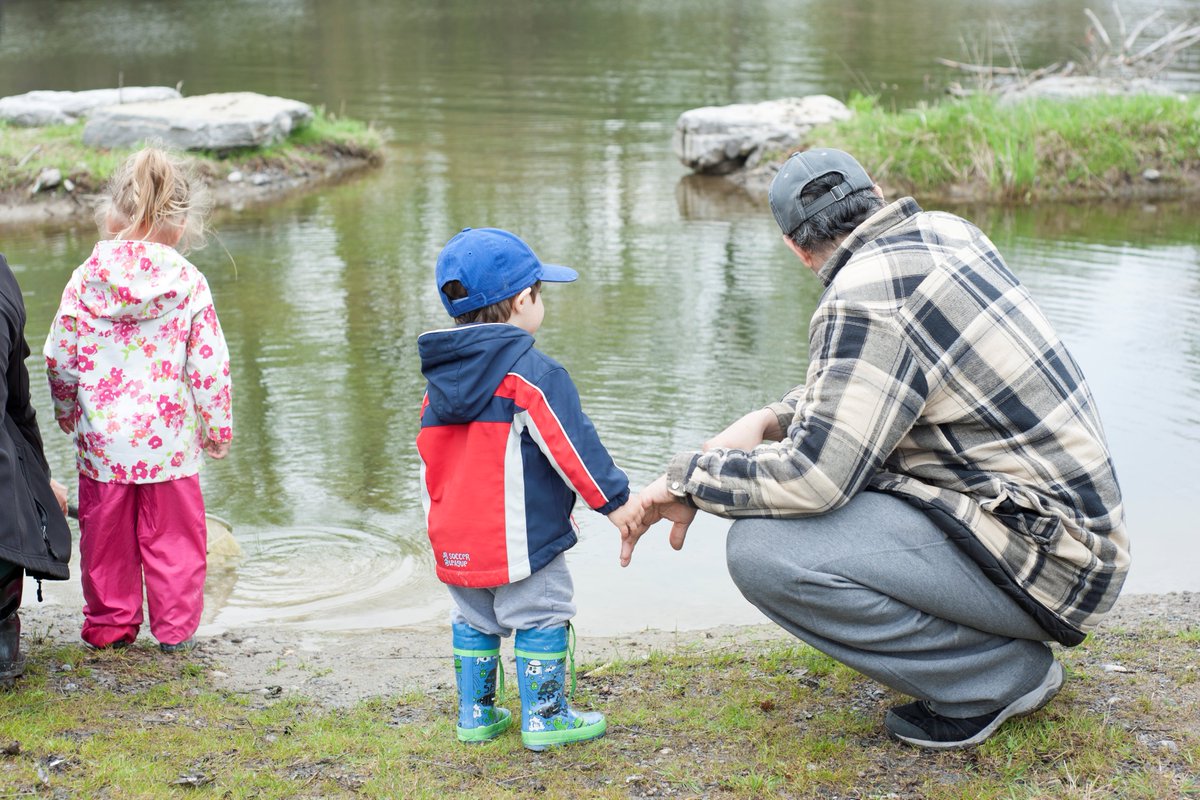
column 327, row 579
column 688, row 311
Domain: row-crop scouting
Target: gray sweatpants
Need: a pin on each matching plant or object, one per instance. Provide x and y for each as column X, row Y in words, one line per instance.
column 877, row 586
column 543, row 600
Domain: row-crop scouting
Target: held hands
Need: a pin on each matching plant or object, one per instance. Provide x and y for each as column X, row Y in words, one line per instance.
column 658, row 503
column 628, row 518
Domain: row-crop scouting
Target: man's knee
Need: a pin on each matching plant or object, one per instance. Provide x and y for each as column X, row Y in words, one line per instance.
column 748, row 551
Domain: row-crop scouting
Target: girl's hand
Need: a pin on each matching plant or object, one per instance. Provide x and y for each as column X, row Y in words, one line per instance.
column 216, row 450
column 67, row 424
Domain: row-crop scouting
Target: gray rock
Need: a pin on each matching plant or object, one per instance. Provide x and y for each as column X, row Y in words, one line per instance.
column 47, row 179
column 1058, row 87
column 1151, row 175
column 203, row 122
column 722, row 139
column 38, row 108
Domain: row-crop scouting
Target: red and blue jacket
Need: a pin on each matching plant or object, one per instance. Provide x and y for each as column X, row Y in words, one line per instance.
column 505, row 448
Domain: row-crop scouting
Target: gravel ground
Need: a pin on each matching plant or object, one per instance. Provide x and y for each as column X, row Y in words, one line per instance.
column 341, row 669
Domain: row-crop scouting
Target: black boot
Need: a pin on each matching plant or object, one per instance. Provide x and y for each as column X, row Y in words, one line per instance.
column 12, row 663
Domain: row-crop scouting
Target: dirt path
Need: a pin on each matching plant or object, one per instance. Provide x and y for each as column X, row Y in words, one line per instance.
column 341, row 669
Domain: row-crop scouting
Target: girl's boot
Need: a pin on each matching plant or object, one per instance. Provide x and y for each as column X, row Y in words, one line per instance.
column 542, row 671
column 476, row 667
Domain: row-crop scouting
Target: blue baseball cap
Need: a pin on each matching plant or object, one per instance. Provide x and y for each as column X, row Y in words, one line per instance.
column 493, row 265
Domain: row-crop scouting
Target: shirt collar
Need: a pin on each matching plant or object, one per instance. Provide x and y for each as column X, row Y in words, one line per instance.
column 872, row 228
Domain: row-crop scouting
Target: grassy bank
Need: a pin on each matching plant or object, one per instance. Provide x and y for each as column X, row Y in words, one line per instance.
column 768, row 721
column 981, row 149
column 25, row 152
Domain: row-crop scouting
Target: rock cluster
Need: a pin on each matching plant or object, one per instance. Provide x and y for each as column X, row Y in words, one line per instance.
column 203, row 122
column 718, row 140
column 125, row 117
column 35, row 109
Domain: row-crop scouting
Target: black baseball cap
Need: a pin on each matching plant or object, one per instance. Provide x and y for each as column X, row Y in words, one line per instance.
column 802, row 169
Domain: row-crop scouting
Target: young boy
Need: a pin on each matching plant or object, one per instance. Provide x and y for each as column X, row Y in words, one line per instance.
column 505, row 448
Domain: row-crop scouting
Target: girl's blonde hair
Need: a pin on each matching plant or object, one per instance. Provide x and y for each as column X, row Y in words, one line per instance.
column 155, row 190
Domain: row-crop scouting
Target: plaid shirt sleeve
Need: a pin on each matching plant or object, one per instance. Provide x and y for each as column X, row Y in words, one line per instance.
column 862, row 394
column 934, row 376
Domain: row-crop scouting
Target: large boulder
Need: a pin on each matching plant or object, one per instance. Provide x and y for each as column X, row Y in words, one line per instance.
column 39, row 108
column 717, row 140
column 203, row 122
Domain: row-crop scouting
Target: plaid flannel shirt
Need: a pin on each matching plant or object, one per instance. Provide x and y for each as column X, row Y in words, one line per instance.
column 935, row 377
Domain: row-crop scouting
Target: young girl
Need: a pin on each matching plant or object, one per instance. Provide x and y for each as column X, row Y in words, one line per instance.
column 139, row 372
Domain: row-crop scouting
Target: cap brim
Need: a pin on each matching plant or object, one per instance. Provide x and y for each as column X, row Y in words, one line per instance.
column 556, row 273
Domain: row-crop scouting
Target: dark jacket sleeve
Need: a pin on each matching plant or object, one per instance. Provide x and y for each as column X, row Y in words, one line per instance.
column 14, row 392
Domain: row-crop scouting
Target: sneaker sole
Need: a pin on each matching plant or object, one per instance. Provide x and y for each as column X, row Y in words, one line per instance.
column 1027, row 703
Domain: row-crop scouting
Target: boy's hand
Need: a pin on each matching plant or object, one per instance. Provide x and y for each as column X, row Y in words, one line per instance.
column 216, row 450
column 628, row 520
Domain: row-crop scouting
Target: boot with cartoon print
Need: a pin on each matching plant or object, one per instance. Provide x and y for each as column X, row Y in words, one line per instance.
column 545, row 662
column 477, row 672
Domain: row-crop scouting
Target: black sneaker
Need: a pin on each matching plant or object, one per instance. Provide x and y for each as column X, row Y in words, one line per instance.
column 916, row 724
column 186, row 644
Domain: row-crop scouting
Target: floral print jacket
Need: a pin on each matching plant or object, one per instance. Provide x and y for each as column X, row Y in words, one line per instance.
column 138, row 363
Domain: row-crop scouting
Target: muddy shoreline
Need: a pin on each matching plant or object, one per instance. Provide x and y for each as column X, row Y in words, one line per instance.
column 272, row 182
column 335, row 670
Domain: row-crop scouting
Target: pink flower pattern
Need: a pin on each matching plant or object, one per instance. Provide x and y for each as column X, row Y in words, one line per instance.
column 137, row 359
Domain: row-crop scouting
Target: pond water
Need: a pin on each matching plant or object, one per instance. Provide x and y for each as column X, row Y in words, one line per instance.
column 554, row 119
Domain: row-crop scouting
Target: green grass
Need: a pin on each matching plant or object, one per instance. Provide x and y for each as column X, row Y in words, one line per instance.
column 761, row 722
column 1042, row 149
column 25, row 152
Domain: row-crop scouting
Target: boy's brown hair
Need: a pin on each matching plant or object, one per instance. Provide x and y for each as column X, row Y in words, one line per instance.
column 496, row 312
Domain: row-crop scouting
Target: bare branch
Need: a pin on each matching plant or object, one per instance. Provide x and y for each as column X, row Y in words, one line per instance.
column 1098, row 26
column 1137, row 30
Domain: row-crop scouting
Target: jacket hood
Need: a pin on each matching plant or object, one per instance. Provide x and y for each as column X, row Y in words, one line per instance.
column 465, row 365
column 142, row 280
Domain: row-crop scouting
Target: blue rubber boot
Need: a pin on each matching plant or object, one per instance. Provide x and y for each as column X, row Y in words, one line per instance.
column 476, row 668
column 547, row 719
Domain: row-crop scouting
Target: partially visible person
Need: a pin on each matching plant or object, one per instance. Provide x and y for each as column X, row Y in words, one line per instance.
column 505, row 448
column 34, row 537
column 937, row 501
column 139, row 374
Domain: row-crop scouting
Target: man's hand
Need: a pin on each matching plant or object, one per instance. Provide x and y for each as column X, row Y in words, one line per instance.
column 658, row 503
column 747, row 433
column 60, row 494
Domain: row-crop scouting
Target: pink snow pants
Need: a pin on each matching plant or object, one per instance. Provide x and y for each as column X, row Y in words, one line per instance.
column 127, row 530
